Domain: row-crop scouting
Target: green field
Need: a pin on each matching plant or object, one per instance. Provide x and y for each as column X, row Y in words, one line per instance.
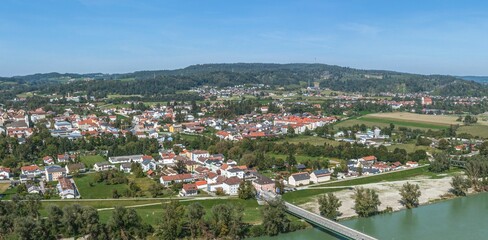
column 306, row 195
column 383, row 122
column 150, row 214
column 384, row 177
column 299, row 158
column 98, row 190
column 475, row 130
column 89, row 161
column 410, row 147
column 318, row 141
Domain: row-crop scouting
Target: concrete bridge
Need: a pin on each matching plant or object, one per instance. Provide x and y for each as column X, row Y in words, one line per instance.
column 320, row 221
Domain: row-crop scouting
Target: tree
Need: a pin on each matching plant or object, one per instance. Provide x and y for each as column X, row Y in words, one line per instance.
column 126, row 224
column 275, row 219
column 459, row 185
column 226, row 221
column 137, row 170
column 290, row 159
column 443, row 144
column 171, row 221
column 329, row 206
column 473, row 171
column 410, row 195
column 194, row 214
column 156, row 190
column 440, row 164
column 290, row 131
column 366, row 202
column 246, row 190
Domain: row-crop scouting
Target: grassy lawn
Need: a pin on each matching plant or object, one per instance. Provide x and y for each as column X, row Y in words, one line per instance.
column 410, row 147
column 299, row 158
column 89, row 161
column 385, row 177
column 150, row 214
column 372, row 120
column 144, row 183
column 319, row 141
column 475, row 130
column 401, row 123
column 98, row 190
column 4, row 187
column 304, row 196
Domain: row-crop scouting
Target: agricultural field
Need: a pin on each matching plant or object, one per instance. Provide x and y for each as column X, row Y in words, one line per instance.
column 475, row 130
column 402, row 119
column 318, row 141
column 411, row 147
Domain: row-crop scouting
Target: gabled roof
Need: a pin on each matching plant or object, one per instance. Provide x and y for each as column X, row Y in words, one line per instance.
column 300, row 176
column 232, row 181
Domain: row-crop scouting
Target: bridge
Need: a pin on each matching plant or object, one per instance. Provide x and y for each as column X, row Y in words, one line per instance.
column 320, row 221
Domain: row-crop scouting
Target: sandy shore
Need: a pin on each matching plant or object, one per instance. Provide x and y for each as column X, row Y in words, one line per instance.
column 388, row 192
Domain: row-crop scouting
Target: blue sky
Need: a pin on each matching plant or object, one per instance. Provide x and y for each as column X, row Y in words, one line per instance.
column 447, row 37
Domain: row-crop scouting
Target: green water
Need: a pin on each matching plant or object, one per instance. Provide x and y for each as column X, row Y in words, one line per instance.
column 460, row 218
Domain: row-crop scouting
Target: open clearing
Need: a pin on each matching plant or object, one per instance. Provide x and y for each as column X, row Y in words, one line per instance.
column 318, row 141
column 475, row 130
column 388, row 193
column 4, row 187
column 419, row 118
column 403, row 119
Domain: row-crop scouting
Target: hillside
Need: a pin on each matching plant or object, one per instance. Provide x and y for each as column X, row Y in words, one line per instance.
column 163, row 82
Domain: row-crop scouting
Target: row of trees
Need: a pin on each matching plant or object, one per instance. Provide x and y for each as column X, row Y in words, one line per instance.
column 366, row 201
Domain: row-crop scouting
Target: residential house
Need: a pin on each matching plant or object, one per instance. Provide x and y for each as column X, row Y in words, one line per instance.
column 195, row 154
column 103, row 166
column 125, row 167
column 32, row 170
column 4, row 173
column 75, row 167
column 234, row 172
column 148, row 165
column 319, row 176
column 263, row 183
column 125, row 159
column 301, row 178
column 62, row 158
column 190, row 189
column 66, row 188
column 33, row 189
column 371, row 159
column 231, row 185
column 167, row 180
column 48, row 160
column 412, row 164
column 53, row 172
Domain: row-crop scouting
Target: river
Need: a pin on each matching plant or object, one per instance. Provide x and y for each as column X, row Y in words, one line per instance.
column 460, row 218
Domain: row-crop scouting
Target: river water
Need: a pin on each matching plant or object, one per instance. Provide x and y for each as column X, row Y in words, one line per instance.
column 460, row 218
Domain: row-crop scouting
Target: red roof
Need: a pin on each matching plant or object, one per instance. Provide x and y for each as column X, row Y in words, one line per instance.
column 369, row 158
column 232, row 181
column 180, row 177
column 29, row 168
column 201, row 183
column 190, row 187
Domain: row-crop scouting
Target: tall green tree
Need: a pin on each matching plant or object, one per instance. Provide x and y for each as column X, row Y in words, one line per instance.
column 459, row 185
column 196, row 223
column 171, row 221
column 366, row 202
column 125, row 224
column 329, row 206
column 246, row 190
column 410, row 195
column 226, row 221
column 275, row 220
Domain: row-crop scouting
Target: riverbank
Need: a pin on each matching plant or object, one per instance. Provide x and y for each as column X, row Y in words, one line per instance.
column 432, row 190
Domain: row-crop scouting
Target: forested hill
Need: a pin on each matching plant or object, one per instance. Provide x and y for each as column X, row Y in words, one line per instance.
column 163, row 82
